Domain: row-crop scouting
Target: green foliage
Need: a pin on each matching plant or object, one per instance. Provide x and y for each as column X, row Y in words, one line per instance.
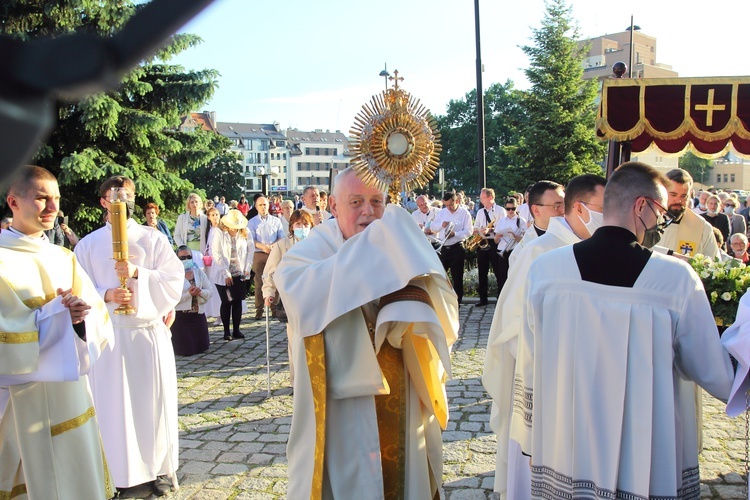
column 699, row 168
column 223, row 176
column 458, row 130
column 130, row 131
column 557, row 139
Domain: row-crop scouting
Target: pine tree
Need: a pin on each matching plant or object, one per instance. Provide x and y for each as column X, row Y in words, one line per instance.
column 131, row 130
column 558, row 138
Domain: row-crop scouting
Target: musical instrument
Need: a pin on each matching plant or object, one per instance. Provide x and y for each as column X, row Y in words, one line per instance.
column 478, row 240
column 448, row 229
column 118, row 218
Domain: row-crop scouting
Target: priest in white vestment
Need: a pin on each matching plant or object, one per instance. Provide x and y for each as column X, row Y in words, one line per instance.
column 135, row 385
column 545, row 199
column 371, row 352
column 584, row 192
column 53, row 327
column 614, row 338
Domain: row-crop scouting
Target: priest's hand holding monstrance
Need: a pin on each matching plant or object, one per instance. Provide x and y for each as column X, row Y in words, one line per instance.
column 118, row 218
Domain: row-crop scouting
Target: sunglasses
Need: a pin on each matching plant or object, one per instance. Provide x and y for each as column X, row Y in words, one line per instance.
column 185, row 257
column 510, row 209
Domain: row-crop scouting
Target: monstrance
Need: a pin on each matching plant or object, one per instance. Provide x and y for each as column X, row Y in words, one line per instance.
column 396, row 142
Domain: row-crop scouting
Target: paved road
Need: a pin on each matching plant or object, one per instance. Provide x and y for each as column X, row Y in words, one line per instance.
column 233, row 436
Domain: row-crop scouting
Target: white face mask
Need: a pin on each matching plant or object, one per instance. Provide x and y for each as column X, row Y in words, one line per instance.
column 729, row 210
column 596, row 220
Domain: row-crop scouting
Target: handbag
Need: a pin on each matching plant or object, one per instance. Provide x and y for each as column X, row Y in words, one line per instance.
column 208, row 260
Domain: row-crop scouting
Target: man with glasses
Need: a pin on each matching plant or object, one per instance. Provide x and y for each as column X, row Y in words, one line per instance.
column 614, row 338
column 545, row 199
column 512, row 472
column 690, row 234
column 489, row 213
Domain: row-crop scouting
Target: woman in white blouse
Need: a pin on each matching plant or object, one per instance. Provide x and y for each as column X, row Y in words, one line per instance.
column 192, row 225
column 232, row 263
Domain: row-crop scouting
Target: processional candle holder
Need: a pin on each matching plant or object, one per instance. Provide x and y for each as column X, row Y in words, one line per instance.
column 118, row 218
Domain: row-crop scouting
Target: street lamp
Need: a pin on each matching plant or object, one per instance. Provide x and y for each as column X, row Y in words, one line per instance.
column 385, row 75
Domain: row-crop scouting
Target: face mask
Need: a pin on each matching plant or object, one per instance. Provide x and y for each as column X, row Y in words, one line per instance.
column 301, row 232
column 596, row 220
column 653, row 235
column 729, row 210
column 188, row 264
column 711, row 212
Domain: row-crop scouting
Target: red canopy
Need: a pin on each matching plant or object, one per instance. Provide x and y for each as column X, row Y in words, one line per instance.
column 704, row 115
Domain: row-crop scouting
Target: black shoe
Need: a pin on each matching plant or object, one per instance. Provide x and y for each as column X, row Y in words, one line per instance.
column 161, row 486
column 238, row 335
column 258, row 316
column 227, row 337
column 482, row 303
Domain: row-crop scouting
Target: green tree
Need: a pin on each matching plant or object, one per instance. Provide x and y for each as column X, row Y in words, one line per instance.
column 458, row 130
column 131, row 130
column 699, row 168
column 224, row 175
column 558, row 138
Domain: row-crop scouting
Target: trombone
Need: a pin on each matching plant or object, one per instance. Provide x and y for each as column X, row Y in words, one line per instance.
column 448, row 229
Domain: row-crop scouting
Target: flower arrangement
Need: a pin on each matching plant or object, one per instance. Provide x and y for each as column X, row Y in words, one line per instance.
column 725, row 283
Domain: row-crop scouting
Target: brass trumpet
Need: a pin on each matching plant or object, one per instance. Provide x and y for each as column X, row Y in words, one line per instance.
column 476, row 241
column 448, row 230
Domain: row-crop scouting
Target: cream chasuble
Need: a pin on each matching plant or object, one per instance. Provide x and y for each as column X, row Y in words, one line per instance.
column 50, row 446
column 691, row 236
column 325, row 283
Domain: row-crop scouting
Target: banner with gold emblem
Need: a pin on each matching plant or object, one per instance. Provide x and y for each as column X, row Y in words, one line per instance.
column 703, row 115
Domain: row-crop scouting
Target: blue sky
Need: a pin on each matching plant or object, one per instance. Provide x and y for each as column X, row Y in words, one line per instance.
column 313, row 64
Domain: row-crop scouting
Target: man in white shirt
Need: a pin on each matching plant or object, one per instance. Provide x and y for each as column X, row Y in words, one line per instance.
column 488, row 213
column 424, row 215
column 451, row 227
column 311, row 200
column 263, row 231
column 584, row 197
column 221, row 206
column 614, row 338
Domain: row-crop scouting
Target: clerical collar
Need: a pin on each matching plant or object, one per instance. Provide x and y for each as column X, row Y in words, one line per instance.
column 539, row 230
column 18, row 234
column 611, row 244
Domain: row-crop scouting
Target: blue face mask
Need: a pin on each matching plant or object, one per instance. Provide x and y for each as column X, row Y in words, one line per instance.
column 188, row 264
column 301, row 232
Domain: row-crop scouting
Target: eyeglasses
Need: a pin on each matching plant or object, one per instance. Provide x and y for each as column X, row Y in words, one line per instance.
column 185, row 257
column 510, row 209
column 556, row 206
column 664, row 219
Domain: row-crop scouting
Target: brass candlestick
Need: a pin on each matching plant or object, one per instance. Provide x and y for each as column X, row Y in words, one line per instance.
column 118, row 218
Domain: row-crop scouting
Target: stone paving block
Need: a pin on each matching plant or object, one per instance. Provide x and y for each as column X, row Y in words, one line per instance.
column 229, row 469
column 195, row 467
column 259, row 458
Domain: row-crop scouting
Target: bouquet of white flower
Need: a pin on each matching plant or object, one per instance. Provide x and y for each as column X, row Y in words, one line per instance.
column 725, row 283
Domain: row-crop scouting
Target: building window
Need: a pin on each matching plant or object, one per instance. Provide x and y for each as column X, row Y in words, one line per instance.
column 284, row 156
column 731, row 177
column 307, row 151
column 718, row 177
column 726, row 178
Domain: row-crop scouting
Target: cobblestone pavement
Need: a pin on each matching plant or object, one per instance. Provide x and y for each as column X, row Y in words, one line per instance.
column 233, row 435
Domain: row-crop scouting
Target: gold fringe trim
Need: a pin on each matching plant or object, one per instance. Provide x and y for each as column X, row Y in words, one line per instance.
column 315, row 352
column 17, row 491
column 73, row 423
column 37, row 302
column 18, row 338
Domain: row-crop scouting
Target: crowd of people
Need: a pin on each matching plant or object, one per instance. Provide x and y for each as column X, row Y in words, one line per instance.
column 600, row 339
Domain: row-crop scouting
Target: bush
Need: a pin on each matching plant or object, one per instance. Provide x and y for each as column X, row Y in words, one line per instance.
column 471, row 283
